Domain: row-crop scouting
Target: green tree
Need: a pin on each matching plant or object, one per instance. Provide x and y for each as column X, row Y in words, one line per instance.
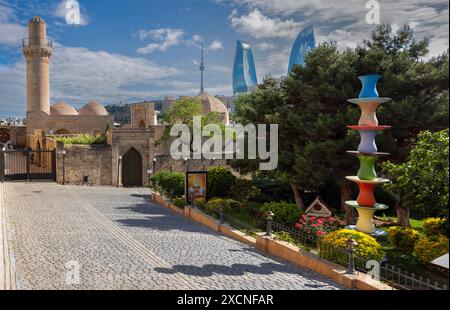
column 422, row 181
column 311, row 109
column 183, row 112
column 220, row 182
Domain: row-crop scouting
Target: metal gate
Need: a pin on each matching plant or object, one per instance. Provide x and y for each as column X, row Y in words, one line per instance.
column 27, row 165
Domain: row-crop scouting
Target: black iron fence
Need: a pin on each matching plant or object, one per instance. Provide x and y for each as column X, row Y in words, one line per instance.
column 27, row 165
column 346, row 257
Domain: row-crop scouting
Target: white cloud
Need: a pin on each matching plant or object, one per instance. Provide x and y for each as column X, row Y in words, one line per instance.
column 61, row 12
column 260, row 26
column 165, row 37
column 10, row 31
column 215, row 45
column 347, row 18
column 264, row 46
column 79, row 75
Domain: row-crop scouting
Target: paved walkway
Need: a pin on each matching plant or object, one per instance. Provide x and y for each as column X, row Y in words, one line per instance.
column 65, row 237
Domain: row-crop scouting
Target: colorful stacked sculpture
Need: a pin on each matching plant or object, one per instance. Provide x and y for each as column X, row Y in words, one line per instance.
column 367, row 153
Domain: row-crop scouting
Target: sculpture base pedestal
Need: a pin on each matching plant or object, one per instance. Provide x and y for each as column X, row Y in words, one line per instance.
column 365, row 218
column 377, row 233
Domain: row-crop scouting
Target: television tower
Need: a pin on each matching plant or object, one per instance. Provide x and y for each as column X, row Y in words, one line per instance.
column 202, row 69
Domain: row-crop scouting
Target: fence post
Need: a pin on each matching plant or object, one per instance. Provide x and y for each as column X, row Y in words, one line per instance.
column 351, row 243
column 28, row 165
column 269, row 217
column 2, row 164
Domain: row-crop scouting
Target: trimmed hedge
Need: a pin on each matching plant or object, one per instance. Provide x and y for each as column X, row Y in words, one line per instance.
column 434, row 226
column 333, row 247
column 170, row 184
column 285, row 213
column 428, row 249
column 83, row 139
column 403, row 238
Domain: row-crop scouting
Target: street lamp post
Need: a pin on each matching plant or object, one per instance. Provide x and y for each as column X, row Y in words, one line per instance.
column 64, row 166
column 351, row 243
column 118, row 170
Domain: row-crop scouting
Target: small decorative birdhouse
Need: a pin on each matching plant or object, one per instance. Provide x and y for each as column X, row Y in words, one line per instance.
column 318, row 209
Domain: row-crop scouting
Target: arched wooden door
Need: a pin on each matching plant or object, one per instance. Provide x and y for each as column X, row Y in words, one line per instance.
column 132, row 168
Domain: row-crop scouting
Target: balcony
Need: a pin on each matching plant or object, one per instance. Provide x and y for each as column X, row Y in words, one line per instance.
column 37, row 42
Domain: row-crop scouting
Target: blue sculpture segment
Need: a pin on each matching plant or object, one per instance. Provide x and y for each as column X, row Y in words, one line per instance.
column 305, row 41
column 244, row 71
column 369, row 86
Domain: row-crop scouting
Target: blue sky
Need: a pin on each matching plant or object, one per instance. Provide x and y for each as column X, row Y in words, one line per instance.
column 135, row 50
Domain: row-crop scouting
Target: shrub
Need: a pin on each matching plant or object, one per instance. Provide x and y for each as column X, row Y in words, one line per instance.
column 428, row 249
column 170, row 184
column 179, row 202
column 315, row 227
column 434, row 226
column 243, row 190
column 220, row 181
column 333, row 247
column 83, row 139
column 155, row 180
column 403, row 238
column 200, row 203
column 213, row 204
column 285, row 213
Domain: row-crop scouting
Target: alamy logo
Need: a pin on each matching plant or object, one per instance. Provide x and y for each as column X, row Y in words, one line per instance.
column 373, row 16
column 73, row 16
column 73, row 272
column 230, row 144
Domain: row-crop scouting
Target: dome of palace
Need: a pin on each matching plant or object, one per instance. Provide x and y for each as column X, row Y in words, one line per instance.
column 212, row 104
column 62, row 108
column 93, row 108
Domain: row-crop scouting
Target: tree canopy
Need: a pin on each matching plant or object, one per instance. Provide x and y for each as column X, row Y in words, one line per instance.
column 310, row 106
column 422, row 181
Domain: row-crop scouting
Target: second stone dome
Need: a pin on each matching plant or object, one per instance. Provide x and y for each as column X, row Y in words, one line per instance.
column 93, row 108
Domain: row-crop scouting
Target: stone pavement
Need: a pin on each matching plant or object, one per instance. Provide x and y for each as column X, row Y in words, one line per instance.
column 66, row 237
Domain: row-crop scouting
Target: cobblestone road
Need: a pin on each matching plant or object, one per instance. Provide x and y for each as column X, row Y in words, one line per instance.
column 120, row 240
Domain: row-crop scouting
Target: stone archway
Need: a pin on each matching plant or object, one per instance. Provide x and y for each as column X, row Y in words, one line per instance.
column 132, row 168
column 5, row 135
column 62, row 132
column 142, row 125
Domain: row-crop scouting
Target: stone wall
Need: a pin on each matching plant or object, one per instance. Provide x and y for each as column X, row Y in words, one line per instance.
column 166, row 162
column 18, row 136
column 93, row 162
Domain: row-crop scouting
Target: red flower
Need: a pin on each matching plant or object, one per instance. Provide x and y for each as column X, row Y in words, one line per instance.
column 320, row 233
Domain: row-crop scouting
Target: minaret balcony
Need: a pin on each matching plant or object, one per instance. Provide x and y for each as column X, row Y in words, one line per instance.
column 37, row 42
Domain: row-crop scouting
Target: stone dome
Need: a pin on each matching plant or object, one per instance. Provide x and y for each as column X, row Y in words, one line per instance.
column 62, row 108
column 212, row 104
column 93, row 108
column 37, row 19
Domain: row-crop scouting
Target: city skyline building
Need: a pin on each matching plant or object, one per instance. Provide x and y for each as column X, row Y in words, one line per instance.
column 305, row 41
column 244, row 70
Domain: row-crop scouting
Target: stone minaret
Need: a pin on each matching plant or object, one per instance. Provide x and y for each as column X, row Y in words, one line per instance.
column 37, row 50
